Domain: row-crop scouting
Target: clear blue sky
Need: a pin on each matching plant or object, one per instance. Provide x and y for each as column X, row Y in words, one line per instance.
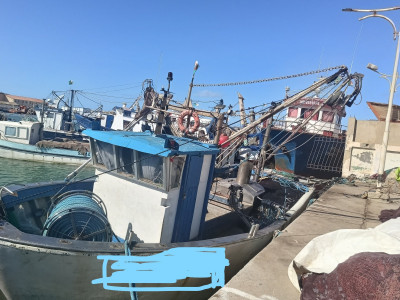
column 110, row 47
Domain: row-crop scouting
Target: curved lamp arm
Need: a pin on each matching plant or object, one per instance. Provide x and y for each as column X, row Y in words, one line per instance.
column 395, row 33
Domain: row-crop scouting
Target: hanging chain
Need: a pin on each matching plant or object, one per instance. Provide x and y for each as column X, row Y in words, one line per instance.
column 270, row 79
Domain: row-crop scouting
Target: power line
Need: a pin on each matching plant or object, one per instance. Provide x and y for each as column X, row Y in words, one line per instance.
column 112, row 86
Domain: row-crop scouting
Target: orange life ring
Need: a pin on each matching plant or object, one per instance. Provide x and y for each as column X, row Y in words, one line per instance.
column 190, row 129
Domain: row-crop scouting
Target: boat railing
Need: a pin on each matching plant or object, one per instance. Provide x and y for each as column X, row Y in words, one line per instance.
column 311, row 127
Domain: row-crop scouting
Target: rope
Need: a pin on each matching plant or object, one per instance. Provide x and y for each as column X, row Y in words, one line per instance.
column 286, row 183
column 78, row 216
column 269, row 79
column 127, row 242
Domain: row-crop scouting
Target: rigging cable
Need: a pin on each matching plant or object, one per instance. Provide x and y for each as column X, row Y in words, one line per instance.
column 268, row 79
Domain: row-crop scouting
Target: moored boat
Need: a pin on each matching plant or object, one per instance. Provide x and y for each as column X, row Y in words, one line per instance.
column 317, row 148
column 22, row 140
column 158, row 183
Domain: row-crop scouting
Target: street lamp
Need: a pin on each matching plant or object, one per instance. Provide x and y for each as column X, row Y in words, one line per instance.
column 375, row 13
column 374, row 68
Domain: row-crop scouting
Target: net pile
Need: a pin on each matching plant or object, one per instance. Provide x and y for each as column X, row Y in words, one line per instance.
column 82, row 147
column 388, row 214
column 363, row 276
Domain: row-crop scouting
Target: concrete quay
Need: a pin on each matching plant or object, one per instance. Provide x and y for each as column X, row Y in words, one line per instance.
column 340, row 207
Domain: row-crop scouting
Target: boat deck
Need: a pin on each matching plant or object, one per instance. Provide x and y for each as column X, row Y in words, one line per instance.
column 341, row 207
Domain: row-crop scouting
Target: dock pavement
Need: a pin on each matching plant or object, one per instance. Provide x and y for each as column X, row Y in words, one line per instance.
column 340, row 207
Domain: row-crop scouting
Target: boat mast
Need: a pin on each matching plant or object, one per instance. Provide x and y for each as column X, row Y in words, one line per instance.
column 71, row 103
column 164, row 103
column 242, row 111
column 188, row 102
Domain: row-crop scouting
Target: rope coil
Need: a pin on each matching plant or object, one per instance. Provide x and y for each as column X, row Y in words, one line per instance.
column 78, row 215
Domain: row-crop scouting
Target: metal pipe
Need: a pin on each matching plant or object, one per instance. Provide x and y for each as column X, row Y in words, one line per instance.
column 75, row 172
column 385, row 18
column 371, row 10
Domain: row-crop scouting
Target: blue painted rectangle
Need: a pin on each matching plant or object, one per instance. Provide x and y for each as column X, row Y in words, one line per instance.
column 165, row 268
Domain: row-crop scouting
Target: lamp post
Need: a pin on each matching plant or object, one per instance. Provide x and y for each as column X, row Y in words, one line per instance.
column 375, row 13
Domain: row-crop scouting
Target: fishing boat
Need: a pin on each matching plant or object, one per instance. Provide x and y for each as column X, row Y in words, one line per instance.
column 309, row 141
column 317, row 148
column 23, row 140
column 151, row 194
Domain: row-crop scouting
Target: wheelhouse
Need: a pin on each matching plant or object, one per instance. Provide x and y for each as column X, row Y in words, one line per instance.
column 160, row 184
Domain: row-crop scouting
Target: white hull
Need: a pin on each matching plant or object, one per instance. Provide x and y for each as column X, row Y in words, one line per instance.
column 49, row 155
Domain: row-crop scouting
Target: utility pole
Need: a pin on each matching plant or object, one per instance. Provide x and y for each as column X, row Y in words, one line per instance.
column 385, row 140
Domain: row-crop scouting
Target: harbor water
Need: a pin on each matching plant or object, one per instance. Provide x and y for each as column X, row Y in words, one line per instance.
column 19, row 171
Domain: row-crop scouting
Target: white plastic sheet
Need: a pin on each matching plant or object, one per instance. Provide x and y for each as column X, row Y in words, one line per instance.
column 324, row 253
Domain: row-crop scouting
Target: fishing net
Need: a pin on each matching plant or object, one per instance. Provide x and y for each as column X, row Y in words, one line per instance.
column 81, row 147
column 364, row 275
column 388, row 214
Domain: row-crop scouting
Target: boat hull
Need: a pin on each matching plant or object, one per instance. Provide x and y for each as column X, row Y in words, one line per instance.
column 309, row 154
column 32, row 153
column 37, row 267
column 60, row 270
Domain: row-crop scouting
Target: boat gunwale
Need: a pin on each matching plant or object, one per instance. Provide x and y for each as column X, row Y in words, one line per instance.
column 10, row 234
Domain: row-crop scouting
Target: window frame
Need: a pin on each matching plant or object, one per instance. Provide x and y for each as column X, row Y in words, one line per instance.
column 9, row 135
column 166, row 168
column 18, row 130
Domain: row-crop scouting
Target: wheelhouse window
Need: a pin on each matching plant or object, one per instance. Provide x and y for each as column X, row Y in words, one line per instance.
column 292, row 112
column 23, row 133
column 150, row 168
column 305, row 113
column 161, row 172
column 11, row 131
column 126, row 161
column 175, row 170
column 327, row 116
column 104, row 153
